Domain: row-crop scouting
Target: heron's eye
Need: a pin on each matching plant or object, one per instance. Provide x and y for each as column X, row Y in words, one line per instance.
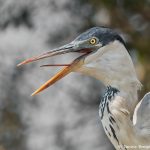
column 93, row 41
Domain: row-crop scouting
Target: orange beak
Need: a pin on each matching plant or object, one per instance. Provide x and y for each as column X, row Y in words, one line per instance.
column 66, row 70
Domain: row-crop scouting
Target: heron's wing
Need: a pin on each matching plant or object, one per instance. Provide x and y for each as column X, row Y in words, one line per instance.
column 141, row 117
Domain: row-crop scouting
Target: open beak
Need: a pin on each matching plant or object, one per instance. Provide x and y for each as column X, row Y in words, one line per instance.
column 68, row 67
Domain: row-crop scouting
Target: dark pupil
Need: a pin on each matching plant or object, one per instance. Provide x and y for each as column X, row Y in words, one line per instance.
column 93, row 41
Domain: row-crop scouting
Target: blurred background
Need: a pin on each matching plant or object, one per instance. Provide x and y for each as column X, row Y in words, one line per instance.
column 65, row 116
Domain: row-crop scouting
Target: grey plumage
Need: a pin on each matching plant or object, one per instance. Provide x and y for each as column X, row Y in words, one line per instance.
column 105, row 35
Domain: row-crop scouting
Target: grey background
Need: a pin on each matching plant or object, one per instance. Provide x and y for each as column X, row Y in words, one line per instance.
column 65, row 116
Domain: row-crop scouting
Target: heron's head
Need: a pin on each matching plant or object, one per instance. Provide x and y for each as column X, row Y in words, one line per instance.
column 103, row 55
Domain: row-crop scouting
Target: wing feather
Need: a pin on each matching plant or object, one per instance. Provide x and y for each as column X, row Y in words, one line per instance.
column 141, row 117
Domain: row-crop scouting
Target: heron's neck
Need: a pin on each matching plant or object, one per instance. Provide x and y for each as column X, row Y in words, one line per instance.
column 129, row 91
column 113, row 66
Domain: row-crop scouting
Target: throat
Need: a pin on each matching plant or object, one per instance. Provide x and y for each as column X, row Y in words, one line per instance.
column 113, row 66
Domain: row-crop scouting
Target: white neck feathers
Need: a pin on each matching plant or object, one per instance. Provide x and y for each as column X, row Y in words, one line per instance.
column 112, row 65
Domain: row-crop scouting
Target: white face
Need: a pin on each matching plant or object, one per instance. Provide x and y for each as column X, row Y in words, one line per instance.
column 110, row 64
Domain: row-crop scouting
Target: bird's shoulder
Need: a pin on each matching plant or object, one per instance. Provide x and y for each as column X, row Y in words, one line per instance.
column 141, row 117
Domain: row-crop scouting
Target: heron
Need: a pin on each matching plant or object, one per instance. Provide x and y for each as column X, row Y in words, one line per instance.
column 104, row 56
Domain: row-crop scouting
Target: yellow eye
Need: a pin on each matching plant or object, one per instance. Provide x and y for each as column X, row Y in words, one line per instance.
column 93, row 41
